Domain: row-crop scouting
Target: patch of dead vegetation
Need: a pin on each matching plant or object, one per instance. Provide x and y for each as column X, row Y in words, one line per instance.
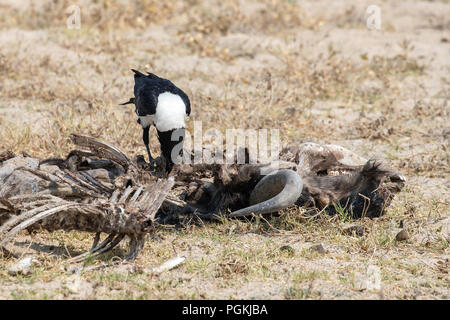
column 310, row 69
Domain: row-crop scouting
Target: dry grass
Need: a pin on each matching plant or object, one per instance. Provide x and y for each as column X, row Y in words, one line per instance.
column 313, row 71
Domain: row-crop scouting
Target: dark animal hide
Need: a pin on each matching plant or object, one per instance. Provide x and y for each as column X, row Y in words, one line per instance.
column 362, row 193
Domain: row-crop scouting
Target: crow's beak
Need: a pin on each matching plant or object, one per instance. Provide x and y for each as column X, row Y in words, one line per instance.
column 128, row 102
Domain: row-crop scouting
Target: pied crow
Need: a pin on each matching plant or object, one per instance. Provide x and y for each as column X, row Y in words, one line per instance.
column 160, row 103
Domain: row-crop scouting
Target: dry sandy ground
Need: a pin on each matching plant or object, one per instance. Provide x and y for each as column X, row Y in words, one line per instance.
column 311, row 68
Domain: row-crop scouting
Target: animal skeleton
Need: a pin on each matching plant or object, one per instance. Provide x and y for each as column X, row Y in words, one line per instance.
column 127, row 200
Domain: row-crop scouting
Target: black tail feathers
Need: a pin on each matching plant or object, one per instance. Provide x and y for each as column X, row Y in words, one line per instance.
column 138, row 73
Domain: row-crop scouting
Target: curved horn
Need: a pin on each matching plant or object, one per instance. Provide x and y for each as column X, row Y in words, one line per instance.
column 274, row 192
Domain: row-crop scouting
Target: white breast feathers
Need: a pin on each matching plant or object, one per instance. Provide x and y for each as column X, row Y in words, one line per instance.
column 170, row 112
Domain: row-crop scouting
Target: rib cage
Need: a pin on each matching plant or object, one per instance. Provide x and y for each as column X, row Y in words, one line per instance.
column 118, row 213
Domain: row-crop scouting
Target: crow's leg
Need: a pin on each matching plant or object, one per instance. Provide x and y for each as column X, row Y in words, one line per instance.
column 145, row 135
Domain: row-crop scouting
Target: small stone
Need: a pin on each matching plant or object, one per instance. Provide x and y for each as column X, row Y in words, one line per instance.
column 319, row 248
column 402, row 235
column 353, row 229
column 287, row 249
column 22, row 266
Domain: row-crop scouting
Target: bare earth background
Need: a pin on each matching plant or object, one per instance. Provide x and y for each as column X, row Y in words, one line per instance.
column 310, row 68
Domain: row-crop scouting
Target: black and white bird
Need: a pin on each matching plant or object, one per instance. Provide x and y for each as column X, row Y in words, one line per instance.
column 160, row 103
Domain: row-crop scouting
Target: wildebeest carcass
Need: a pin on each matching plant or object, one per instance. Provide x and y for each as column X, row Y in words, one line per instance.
column 318, row 177
column 101, row 190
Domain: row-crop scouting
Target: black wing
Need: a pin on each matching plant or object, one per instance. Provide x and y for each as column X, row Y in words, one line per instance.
column 147, row 88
